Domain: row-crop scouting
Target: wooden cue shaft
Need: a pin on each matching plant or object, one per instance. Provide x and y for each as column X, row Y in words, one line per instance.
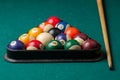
column 104, row 31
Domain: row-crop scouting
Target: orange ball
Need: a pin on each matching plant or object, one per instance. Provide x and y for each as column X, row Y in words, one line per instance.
column 35, row 31
column 45, row 26
column 25, row 38
column 72, row 31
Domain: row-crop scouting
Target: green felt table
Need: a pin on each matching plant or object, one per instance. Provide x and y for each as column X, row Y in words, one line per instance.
column 18, row 16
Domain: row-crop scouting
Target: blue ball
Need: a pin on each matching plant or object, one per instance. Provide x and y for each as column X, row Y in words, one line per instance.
column 62, row 38
column 62, row 26
column 16, row 45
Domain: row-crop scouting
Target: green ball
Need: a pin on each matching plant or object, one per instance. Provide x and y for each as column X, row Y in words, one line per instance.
column 53, row 44
column 72, row 45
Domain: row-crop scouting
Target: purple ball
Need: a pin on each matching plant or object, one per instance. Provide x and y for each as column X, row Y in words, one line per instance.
column 62, row 38
column 16, row 45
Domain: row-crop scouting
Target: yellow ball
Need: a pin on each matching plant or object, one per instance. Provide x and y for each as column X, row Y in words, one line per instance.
column 35, row 31
column 25, row 38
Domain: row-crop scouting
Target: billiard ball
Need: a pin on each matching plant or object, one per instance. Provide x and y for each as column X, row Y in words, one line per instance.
column 34, row 45
column 53, row 44
column 62, row 26
column 45, row 26
column 62, row 38
column 53, row 20
column 44, row 38
column 90, row 44
column 81, row 37
column 54, row 31
column 72, row 45
column 16, row 45
column 72, row 31
column 35, row 31
column 25, row 38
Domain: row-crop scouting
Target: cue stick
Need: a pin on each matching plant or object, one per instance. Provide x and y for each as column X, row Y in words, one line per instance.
column 104, row 31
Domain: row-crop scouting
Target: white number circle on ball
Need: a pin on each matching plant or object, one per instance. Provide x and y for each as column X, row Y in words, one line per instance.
column 13, row 43
column 60, row 26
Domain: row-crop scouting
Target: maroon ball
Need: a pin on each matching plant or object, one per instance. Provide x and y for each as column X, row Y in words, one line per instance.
column 90, row 44
column 81, row 37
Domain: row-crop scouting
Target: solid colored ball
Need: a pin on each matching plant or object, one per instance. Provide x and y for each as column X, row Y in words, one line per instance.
column 62, row 38
column 72, row 45
column 62, row 26
column 72, row 31
column 16, row 45
column 81, row 37
column 45, row 26
column 35, row 31
column 34, row 45
column 45, row 38
column 25, row 38
column 53, row 20
column 54, row 31
column 53, row 44
column 90, row 44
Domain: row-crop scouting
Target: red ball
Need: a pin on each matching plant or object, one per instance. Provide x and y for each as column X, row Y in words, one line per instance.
column 53, row 20
column 34, row 45
column 72, row 32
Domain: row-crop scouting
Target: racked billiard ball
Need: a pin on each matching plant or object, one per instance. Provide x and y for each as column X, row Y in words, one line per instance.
column 72, row 45
column 53, row 44
column 25, row 38
column 35, row 31
column 45, row 38
column 16, row 45
column 62, row 38
column 53, row 20
column 72, row 31
column 45, row 26
column 90, row 44
column 81, row 37
column 34, row 45
column 62, row 26
column 54, row 31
